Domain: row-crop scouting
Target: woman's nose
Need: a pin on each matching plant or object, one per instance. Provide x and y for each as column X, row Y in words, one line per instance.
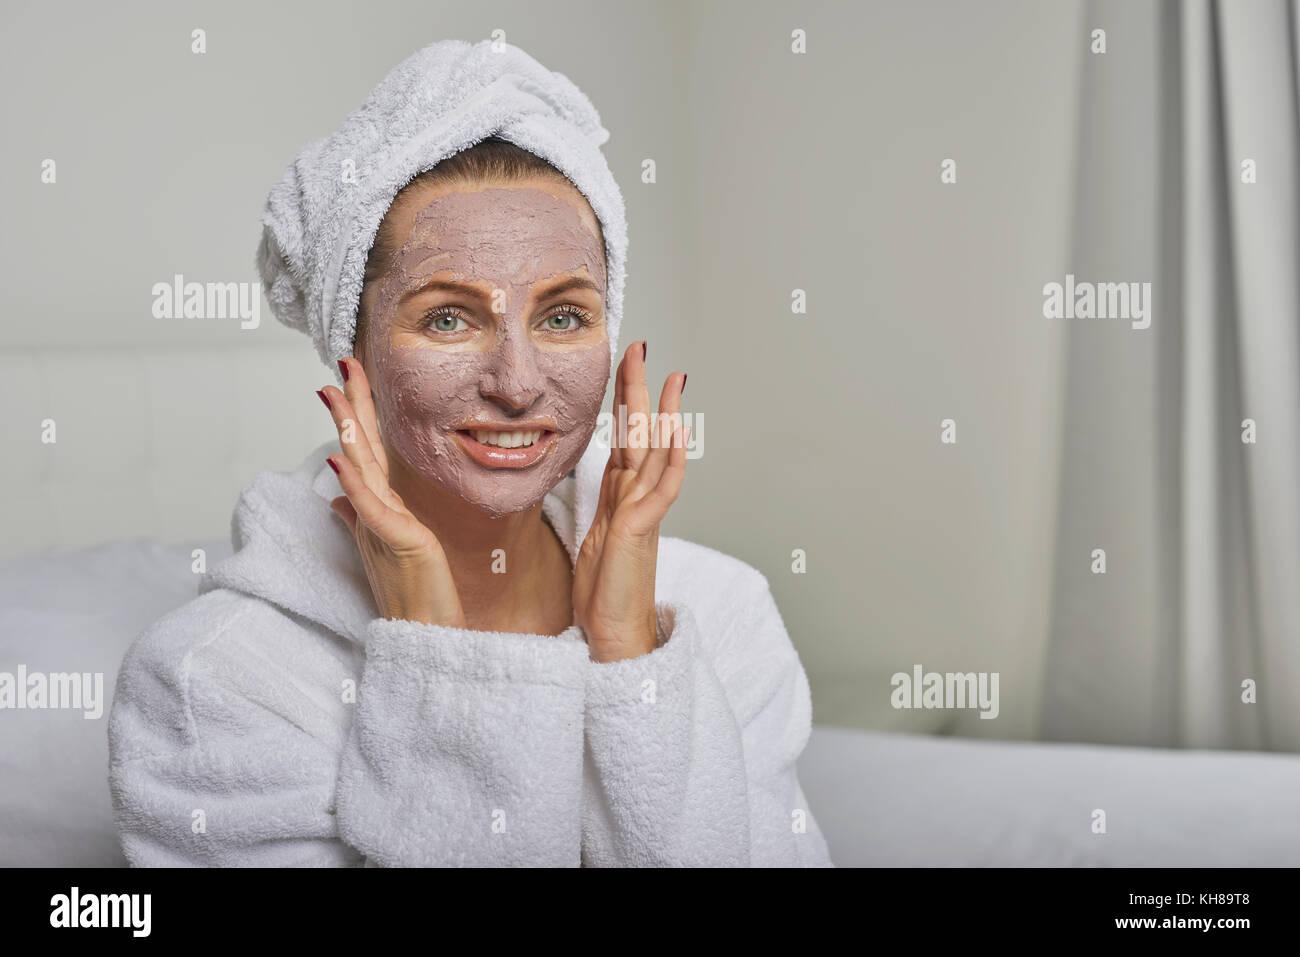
column 513, row 375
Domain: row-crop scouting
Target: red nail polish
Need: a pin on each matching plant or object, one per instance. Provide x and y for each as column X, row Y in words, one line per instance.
column 683, row 382
column 644, row 350
column 324, row 398
column 333, row 466
column 343, row 367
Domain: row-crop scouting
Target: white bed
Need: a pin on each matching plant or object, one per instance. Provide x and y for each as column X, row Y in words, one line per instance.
column 881, row 799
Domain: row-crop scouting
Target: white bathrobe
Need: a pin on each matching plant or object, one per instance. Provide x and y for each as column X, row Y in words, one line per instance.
column 276, row 720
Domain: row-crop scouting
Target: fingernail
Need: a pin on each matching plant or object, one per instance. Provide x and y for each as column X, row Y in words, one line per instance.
column 333, row 466
column 644, row 350
column 343, row 367
column 324, row 398
column 683, row 382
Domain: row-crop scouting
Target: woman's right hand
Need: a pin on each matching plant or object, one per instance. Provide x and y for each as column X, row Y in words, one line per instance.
column 407, row 568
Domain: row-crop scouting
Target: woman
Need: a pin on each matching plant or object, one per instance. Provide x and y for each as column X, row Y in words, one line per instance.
column 455, row 637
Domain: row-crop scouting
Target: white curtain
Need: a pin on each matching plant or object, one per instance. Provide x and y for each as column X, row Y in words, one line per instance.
column 1201, row 531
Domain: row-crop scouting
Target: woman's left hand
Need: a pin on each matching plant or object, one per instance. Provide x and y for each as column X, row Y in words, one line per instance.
column 614, row 578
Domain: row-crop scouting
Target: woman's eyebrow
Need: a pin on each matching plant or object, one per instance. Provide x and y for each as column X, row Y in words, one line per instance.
column 551, row 288
column 565, row 283
column 447, row 285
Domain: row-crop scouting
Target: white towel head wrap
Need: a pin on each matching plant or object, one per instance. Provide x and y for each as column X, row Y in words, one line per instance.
column 321, row 217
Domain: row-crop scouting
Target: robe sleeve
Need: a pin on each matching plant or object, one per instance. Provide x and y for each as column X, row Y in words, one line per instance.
column 691, row 749
column 231, row 744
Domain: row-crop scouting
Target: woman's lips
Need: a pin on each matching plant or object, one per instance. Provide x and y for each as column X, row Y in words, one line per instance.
column 497, row 457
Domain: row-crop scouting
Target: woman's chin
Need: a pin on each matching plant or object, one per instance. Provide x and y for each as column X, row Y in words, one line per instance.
column 500, row 502
column 500, row 507
column 498, row 492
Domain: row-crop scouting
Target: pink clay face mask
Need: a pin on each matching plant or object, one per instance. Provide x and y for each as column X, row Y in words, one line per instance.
column 507, row 369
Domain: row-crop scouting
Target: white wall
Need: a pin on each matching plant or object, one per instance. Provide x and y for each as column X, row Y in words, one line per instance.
column 821, row 172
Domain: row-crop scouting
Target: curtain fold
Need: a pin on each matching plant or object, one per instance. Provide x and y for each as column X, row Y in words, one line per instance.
column 1201, row 530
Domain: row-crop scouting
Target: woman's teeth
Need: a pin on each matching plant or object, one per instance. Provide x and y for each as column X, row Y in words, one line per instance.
column 507, row 440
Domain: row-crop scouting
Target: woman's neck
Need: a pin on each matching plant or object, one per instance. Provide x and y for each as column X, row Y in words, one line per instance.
column 512, row 573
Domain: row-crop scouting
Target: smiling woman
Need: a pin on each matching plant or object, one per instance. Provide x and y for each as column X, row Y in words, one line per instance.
column 488, row 324
column 456, row 636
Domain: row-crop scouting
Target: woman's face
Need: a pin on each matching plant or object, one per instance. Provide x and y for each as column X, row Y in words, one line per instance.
column 485, row 339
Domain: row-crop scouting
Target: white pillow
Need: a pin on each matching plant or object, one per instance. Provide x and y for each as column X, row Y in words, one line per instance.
column 902, row 800
column 75, row 610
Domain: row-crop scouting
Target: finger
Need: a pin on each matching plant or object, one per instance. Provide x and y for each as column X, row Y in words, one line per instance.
column 605, row 500
column 354, row 441
column 594, row 542
column 666, row 427
column 616, row 442
column 370, row 509
column 344, row 510
column 357, row 388
column 638, row 407
column 661, row 498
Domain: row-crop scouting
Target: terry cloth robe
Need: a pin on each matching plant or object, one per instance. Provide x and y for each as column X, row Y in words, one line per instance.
column 277, row 720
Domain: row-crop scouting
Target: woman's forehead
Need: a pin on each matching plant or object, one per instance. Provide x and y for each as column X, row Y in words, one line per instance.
column 507, row 235
column 428, row 198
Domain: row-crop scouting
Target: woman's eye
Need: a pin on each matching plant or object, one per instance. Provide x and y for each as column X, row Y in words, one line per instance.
column 446, row 323
column 561, row 321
